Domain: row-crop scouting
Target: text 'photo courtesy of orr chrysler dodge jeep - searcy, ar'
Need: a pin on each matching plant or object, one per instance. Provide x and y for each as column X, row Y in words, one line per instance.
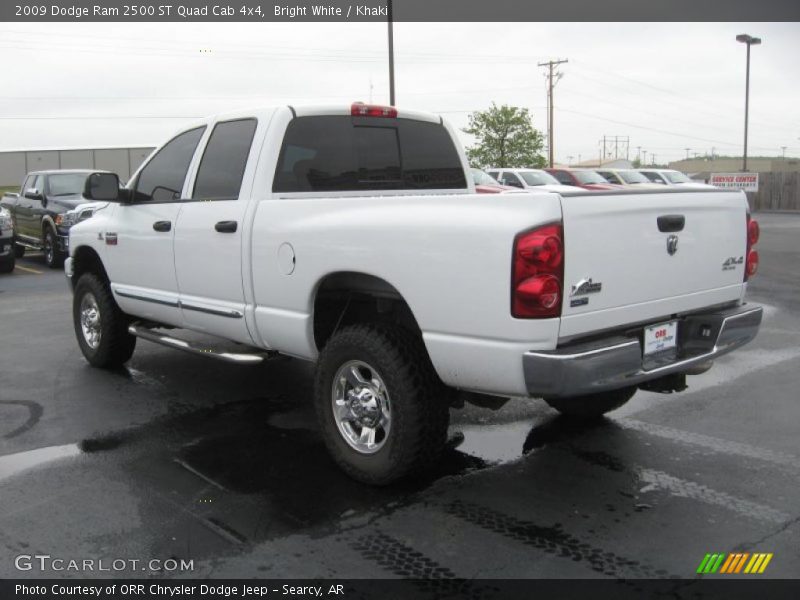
column 352, row 236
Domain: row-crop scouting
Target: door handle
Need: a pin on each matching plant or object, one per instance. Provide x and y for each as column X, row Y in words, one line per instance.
column 162, row 225
column 671, row 223
column 226, row 226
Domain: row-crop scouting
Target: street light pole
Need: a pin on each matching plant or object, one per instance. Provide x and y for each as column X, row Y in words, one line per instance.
column 391, row 52
column 749, row 40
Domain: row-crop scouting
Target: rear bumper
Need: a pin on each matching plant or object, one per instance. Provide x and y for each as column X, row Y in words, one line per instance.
column 617, row 362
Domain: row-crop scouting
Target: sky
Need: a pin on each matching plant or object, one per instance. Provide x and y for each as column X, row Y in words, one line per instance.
column 669, row 87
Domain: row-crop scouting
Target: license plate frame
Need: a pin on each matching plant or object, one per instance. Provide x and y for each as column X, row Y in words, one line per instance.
column 661, row 337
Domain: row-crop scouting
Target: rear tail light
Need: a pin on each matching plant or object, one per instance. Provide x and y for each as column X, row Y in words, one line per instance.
column 753, row 234
column 359, row 109
column 538, row 273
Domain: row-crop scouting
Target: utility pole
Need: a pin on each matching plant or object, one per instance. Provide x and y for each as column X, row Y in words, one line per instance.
column 653, row 159
column 569, row 160
column 783, row 148
column 687, row 153
column 644, row 159
column 639, row 154
column 551, row 64
column 391, row 52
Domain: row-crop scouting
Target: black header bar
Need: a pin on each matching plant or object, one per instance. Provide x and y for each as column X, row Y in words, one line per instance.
column 403, row 10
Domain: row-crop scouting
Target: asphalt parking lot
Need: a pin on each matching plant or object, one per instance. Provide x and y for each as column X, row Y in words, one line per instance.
column 181, row 457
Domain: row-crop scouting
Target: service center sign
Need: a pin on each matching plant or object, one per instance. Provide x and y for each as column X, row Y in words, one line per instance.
column 735, row 181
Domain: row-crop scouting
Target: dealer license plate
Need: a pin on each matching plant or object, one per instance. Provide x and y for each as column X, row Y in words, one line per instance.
column 658, row 338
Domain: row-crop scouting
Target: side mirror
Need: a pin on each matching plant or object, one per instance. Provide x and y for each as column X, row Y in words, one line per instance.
column 33, row 194
column 104, row 187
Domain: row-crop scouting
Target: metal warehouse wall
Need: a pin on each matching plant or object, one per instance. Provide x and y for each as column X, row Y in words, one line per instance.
column 123, row 161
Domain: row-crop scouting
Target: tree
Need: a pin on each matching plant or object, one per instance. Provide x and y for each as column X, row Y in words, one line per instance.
column 505, row 138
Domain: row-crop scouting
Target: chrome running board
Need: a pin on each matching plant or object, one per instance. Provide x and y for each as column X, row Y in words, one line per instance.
column 250, row 358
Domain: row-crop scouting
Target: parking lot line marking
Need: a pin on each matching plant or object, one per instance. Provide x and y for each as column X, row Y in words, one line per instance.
column 202, row 476
column 712, row 443
column 29, row 270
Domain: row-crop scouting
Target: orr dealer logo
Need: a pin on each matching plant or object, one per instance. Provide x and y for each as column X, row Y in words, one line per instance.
column 734, row 563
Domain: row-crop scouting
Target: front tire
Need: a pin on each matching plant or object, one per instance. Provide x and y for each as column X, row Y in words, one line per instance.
column 100, row 326
column 382, row 409
column 52, row 257
column 7, row 263
column 592, row 406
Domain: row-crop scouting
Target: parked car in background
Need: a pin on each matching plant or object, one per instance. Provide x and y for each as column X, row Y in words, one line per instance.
column 526, row 179
column 671, row 177
column 583, row 178
column 7, row 258
column 486, row 184
column 38, row 212
column 626, row 178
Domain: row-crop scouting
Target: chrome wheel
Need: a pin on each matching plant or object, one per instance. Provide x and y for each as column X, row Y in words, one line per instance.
column 49, row 250
column 90, row 321
column 361, row 407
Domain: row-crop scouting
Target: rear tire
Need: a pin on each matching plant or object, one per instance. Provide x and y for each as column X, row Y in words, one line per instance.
column 100, row 326
column 592, row 406
column 394, row 394
column 52, row 257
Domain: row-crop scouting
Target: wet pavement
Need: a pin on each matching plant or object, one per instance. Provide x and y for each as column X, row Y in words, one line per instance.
column 180, row 457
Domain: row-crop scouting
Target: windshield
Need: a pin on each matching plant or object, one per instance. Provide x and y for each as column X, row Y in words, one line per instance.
column 677, row 177
column 585, row 177
column 534, row 178
column 482, row 178
column 653, row 176
column 633, row 177
column 67, row 184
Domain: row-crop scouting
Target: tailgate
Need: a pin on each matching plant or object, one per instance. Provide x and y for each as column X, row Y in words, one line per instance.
column 643, row 264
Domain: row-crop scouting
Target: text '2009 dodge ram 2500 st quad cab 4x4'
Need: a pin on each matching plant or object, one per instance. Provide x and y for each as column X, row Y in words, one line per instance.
column 352, row 236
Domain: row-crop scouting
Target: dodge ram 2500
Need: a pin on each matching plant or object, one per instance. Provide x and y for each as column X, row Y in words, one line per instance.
column 352, row 236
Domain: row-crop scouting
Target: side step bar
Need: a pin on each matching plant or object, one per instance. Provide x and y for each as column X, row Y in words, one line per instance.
column 148, row 334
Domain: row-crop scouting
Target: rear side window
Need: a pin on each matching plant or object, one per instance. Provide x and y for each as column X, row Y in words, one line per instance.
column 342, row 153
column 219, row 176
column 162, row 178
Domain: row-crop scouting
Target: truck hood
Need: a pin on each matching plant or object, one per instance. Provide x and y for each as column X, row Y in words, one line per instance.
column 68, row 202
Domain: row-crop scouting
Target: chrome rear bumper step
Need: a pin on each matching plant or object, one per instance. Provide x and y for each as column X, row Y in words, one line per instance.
column 242, row 358
column 618, row 362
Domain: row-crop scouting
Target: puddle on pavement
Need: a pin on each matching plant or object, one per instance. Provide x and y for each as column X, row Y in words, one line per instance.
column 13, row 464
column 495, row 444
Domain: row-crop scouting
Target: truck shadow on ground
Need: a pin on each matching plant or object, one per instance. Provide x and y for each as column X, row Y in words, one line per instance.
column 244, row 470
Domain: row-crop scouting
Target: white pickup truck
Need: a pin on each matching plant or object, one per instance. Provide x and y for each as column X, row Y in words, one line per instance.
column 352, row 236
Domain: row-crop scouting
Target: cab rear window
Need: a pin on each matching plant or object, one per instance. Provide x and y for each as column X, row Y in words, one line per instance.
column 343, row 153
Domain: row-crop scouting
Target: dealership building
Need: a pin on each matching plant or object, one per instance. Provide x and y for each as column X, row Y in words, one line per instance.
column 122, row 161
